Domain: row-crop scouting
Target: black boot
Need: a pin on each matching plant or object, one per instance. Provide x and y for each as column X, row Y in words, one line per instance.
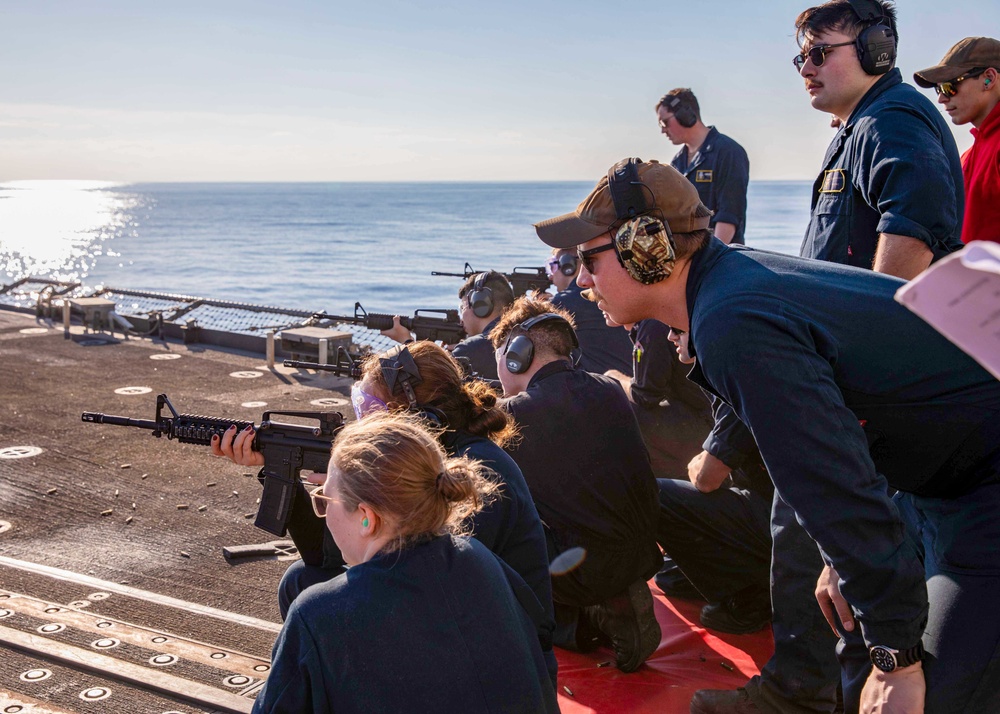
column 723, row 701
column 747, row 611
column 628, row 621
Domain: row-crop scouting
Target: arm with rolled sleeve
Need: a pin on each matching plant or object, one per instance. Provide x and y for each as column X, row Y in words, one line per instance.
column 730, row 441
column 903, row 171
column 733, row 172
column 817, row 456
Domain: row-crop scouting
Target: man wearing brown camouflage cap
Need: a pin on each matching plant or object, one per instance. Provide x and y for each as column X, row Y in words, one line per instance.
column 967, row 81
column 789, row 344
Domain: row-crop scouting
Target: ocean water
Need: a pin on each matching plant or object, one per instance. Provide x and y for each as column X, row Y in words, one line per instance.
column 312, row 246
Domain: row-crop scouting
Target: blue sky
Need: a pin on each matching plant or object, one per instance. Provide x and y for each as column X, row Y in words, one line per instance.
column 409, row 91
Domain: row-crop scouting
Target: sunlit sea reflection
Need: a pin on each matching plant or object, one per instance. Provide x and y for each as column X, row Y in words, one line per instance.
column 58, row 229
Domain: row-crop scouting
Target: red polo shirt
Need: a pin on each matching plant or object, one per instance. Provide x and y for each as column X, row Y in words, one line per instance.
column 981, row 169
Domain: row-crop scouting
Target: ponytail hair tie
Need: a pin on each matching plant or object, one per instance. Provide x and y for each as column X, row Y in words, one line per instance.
column 437, row 481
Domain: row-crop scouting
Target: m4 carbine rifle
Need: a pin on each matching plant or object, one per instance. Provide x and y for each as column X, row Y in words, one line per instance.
column 444, row 325
column 522, row 280
column 287, row 449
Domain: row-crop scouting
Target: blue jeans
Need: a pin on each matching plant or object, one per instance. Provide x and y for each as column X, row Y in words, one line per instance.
column 960, row 543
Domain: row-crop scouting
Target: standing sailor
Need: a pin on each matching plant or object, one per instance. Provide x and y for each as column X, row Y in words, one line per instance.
column 716, row 165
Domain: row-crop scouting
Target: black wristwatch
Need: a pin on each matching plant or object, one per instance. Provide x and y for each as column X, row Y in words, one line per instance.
column 889, row 660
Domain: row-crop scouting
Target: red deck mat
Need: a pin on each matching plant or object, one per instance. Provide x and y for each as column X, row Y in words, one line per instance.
column 689, row 658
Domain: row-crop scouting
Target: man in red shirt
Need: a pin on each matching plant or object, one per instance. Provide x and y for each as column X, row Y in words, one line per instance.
column 967, row 81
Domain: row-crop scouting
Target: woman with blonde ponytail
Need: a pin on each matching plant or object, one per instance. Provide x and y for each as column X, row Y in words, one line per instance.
column 425, row 619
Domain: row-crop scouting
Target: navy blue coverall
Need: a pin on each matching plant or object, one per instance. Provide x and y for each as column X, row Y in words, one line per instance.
column 845, row 390
column 674, row 415
column 586, row 466
column 720, row 170
column 509, row 526
column 892, row 168
column 442, row 626
column 479, row 351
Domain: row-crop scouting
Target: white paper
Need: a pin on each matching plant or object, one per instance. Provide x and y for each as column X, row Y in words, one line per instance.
column 960, row 297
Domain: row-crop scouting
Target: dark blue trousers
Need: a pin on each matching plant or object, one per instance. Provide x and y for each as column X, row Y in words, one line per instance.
column 960, row 541
column 803, row 673
column 722, row 541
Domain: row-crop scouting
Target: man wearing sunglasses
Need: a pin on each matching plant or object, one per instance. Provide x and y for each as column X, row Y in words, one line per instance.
column 846, row 393
column 602, row 348
column 967, row 81
column 889, row 196
column 716, row 165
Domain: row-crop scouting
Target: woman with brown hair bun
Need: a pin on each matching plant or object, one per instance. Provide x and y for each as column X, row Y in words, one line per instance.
column 427, row 380
column 425, row 619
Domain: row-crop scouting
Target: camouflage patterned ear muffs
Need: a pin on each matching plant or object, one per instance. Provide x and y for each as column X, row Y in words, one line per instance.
column 643, row 241
column 645, row 248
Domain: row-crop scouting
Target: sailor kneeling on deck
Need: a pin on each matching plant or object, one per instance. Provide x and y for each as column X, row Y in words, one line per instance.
column 424, row 619
column 585, row 463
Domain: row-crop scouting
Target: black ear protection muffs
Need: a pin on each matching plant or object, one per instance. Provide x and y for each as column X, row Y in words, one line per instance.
column 481, row 297
column 569, row 263
column 684, row 115
column 876, row 44
column 402, row 375
column 643, row 241
column 519, row 351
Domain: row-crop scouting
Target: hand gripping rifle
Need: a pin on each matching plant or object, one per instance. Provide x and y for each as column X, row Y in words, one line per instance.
column 425, row 324
column 522, row 280
column 287, row 449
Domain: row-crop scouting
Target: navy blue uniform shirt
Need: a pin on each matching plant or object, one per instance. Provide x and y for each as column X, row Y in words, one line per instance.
column 892, row 168
column 833, row 402
column 720, row 170
column 438, row 627
column 479, row 351
column 601, row 347
column 659, row 378
column 510, row 527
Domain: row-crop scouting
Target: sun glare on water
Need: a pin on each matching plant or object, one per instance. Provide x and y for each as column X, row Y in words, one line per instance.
column 57, row 229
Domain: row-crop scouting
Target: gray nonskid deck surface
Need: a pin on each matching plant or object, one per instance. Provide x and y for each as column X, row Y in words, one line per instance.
column 102, row 502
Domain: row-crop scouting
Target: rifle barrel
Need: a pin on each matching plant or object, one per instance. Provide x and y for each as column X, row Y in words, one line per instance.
column 98, row 418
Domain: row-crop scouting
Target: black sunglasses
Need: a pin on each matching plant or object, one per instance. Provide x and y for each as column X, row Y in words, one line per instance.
column 587, row 256
column 950, row 88
column 676, row 331
column 817, row 54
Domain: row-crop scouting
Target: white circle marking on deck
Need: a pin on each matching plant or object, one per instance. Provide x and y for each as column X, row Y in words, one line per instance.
column 94, row 694
column 35, row 675
column 245, row 375
column 34, row 330
column 253, row 405
column 20, row 452
column 330, row 402
column 164, row 356
column 131, row 391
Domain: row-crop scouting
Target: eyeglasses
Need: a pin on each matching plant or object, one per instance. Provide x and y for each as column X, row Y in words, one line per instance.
column 817, row 54
column 675, row 331
column 950, row 89
column 364, row 403
column 552, row 266
column 319, row 500
column 587, row 256
column 664, row 123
